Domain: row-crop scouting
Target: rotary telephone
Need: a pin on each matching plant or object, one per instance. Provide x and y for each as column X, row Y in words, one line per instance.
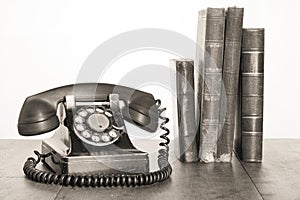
column 90, row 146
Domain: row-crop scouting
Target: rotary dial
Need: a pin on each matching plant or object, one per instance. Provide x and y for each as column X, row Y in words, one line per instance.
column 95, row 125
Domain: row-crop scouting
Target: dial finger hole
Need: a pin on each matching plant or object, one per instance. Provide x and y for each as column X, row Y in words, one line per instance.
column 79, row 119
column 86, row 134
column 100, row 110
column 96, row 138
column 113, row 133
column 80, row 127
column 83, row 113
column 106, row 138
column 90, row 110
column 108, row 113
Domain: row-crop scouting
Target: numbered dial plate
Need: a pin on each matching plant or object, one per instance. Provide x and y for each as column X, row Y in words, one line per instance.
column 95, row 125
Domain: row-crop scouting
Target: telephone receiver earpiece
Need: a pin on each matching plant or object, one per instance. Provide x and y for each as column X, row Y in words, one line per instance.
column 38, row 114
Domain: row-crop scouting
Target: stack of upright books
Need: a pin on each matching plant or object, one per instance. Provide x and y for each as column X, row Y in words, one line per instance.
column 229, row 86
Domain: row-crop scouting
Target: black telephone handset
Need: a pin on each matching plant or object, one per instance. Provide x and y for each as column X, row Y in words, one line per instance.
column 38, row 114
column 91, row 136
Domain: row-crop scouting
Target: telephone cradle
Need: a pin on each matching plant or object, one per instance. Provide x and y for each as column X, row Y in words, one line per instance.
column 90, row 146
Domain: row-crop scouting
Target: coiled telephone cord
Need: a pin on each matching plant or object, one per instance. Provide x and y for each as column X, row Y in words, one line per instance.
column 96, row 180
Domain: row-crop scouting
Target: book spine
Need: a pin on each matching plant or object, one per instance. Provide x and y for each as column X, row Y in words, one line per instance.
column 174, row 118
column 211, row 85
column 252, row 94
column 188, row 147
column 231, row 70
column 237, row 146
column 199, row 68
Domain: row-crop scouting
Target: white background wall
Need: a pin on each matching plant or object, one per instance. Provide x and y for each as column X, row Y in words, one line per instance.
column 44, row 43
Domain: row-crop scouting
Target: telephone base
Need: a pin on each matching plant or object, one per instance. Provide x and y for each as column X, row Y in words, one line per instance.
column 114, row 162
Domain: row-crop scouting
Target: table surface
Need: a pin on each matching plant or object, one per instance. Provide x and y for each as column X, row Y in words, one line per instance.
column 278, row 177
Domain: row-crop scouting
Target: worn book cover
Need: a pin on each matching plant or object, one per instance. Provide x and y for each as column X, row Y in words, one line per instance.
column 252, row 86
column 210, row 38
column 231, row 70
column 187, row 150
